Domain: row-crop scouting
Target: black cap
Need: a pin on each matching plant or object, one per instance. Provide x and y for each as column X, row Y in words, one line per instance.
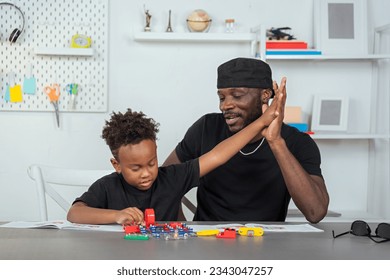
column 244, row 72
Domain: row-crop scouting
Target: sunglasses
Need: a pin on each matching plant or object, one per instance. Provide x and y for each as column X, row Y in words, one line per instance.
column 361, row 228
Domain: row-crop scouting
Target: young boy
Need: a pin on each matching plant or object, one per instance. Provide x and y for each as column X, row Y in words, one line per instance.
column 139, row 183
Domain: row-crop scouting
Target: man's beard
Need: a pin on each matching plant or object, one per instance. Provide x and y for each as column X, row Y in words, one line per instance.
column 254, row 114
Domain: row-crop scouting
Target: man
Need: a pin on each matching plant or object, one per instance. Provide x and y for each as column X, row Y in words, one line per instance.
column 280, row 163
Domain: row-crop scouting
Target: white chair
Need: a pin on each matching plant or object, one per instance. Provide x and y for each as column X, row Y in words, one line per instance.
column 54, row 182
column 188, row 203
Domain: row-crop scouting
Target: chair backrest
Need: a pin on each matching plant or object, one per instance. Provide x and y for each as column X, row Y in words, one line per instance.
column 188, row 203
column 49, row 180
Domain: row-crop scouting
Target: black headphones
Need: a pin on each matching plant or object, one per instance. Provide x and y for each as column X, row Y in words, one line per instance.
column 16, row 32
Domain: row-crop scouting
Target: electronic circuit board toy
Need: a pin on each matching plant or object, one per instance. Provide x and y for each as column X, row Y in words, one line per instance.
column 151, row 229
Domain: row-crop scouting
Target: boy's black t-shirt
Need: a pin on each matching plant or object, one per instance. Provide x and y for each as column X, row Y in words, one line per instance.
column 171, row 184
column 248, row 187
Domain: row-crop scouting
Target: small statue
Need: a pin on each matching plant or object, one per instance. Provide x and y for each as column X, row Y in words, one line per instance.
column 169, row 28
column 148, row 18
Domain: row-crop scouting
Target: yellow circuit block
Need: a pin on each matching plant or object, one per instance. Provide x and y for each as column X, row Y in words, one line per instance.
column 207, row 232
column 251, row 231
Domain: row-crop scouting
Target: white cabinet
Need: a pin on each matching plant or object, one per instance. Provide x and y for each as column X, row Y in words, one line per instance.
column 356, row 162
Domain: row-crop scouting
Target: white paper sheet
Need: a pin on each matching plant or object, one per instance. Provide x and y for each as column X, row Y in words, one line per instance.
column 266, row 227
column 62, row 224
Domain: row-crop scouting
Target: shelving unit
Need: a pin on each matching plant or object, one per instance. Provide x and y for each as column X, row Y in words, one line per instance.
column 374, row 143
column 193, row 37
column 329, row 57
column 188, row 37
column 64, row 51
column 374, row 58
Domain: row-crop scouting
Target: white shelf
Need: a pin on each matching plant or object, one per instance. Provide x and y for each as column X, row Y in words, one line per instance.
column 65, row 51
column 193, row 37
column 357, row 136
column 329, row 57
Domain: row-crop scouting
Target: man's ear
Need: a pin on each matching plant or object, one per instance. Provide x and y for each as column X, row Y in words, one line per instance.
column 266, row 95
column 116, row 165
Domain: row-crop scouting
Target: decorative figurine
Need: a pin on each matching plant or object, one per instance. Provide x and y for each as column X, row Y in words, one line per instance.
column 148, row 18
column 279, row 34
column 169, row 28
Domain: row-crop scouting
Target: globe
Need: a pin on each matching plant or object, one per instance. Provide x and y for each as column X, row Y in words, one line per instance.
column 198, row 21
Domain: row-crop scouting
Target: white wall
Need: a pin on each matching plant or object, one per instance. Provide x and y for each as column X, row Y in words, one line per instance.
column 175, row 84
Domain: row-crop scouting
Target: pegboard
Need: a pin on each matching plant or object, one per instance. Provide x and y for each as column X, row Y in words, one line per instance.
column 50, row 25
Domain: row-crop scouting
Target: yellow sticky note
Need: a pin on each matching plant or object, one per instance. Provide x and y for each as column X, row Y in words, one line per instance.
column 16, row 93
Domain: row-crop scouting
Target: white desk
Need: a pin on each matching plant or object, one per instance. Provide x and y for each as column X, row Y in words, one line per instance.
column 73, row 245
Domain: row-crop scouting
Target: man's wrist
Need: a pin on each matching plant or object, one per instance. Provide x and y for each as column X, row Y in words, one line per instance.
column 277, row 144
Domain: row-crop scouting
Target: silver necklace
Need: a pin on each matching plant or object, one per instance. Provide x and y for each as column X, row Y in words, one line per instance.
column 247, row 154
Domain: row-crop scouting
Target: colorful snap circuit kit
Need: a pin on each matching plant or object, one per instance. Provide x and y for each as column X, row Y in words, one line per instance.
column 178, row 230
column 167, row 231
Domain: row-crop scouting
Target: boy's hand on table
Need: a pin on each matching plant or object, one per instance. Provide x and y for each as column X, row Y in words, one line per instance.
column 129, row 216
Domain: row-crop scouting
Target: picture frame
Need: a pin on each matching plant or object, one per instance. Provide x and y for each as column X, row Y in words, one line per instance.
column 340, row 26
column 330, row 114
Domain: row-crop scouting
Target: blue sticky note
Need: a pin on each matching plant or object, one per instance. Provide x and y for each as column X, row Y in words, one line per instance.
column 7, row 94
column 29, row 85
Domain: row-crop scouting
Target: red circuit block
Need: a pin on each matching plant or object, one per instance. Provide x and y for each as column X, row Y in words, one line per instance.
column 131, row 229
column 176, row 225
column 149, row 217
column 227, row 233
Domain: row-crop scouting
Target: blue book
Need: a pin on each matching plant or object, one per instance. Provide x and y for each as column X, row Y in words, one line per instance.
column 293, row 52
column 302, row 127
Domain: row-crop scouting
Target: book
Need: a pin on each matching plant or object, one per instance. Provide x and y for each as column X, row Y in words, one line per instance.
column 62, row 224
column 285, row 44
column 293, row 52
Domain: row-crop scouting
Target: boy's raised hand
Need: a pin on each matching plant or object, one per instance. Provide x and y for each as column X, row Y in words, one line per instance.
column 274, row 113
column 129, row 216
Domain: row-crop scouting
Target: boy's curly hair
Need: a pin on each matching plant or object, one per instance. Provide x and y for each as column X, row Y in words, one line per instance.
column 128, row 128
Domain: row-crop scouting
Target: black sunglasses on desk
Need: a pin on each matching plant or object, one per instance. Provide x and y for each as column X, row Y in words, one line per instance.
column 361, row 228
